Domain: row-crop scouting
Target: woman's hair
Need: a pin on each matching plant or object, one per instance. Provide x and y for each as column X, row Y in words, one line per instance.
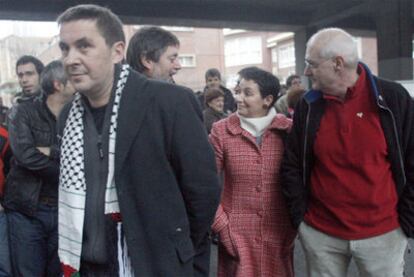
column 267, row 82
column 211, row 94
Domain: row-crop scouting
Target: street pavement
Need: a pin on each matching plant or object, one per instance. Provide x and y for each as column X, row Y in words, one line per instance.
column 300, row 267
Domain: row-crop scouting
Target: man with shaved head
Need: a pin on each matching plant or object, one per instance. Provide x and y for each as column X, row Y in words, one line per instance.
column 347, row 171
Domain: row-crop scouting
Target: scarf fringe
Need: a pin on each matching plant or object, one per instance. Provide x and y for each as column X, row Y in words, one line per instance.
column 69, row 271
column 124, row 262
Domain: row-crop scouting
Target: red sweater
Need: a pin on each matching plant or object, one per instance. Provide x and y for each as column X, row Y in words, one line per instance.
column 4, row 147
column 353, row 195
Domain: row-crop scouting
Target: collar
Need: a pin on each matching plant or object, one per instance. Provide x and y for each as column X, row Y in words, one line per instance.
column 354, row 91
column 314, row 95
column 360, row 85
column 279, row 122
column 256, row 126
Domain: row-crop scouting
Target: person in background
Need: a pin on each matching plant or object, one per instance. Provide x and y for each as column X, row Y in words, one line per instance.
column 294, row 95
column 31, row 192
column 293, row 82
column 256, row 236
column 214, row 101
column 153, row 51
column 4, row 111
column 213, row 80
column 28, row 70
column 347, row 173
column 5, row 155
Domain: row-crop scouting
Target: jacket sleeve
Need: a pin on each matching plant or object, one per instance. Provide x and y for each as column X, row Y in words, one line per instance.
column 291, row 171
column 406, row 201
column 193, row 162
column 23, row 145
column 221, row 219
column 195, row 104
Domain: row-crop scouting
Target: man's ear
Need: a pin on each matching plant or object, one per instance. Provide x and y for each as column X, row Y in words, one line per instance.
column 57, row 86
column 118, row 51
column 339, row 63
column 146, row 62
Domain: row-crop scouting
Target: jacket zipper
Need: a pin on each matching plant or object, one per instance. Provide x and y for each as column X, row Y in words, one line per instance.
column 305, row 144
column 100, row 150
column 396, row 138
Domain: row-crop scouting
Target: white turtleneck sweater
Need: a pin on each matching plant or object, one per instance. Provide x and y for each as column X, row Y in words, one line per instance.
column 257, row 125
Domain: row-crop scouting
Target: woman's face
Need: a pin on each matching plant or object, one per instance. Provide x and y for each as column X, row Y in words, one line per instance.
column 249, row 100
column 217, row 104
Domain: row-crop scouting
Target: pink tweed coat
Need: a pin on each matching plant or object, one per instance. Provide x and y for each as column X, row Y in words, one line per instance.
column 256, row 236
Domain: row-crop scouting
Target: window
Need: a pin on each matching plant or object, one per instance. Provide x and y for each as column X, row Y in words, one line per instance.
column 187, row 60
column 242, row 51
column 286, row 55
column 231, row 81
column 274, row 55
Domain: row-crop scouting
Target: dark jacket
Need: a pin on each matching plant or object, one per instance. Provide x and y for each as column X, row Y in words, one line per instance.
column 396, row 111
column 229, row 102
column 31, row 125
column 166, row 179
column 210, row 116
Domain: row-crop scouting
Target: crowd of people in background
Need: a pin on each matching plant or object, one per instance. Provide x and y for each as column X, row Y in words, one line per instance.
column 110, row 168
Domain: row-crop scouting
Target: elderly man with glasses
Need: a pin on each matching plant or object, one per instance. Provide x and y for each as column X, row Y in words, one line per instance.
column 347, row 170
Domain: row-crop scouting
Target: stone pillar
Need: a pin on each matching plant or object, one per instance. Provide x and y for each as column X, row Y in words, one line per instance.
column 394, row 39
column 301, row 37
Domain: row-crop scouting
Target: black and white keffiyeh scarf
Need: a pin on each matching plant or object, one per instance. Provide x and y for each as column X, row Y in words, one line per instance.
column 72, row 185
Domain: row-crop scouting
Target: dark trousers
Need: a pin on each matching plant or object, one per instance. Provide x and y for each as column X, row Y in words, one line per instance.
column 5, row 269
column 201, row 260
column 34, row 242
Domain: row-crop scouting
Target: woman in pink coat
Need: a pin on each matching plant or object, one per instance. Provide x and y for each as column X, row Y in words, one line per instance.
column 256, row 237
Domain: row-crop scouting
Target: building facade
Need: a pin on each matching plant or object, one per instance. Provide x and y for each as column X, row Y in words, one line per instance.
column 200, row 49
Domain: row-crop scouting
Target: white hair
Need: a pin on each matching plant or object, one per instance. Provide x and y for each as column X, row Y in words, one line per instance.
column 333, row 42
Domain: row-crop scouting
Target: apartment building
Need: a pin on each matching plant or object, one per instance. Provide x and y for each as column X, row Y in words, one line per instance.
column 228, row 50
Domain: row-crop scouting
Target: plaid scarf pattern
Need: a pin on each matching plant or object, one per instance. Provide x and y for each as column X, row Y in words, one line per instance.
column 72, row 185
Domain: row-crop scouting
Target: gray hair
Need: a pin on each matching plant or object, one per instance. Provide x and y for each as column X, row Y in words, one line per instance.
column 333, row 42
column 54, row 71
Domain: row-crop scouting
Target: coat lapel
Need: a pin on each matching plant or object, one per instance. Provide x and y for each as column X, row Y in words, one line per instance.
column 134, row 102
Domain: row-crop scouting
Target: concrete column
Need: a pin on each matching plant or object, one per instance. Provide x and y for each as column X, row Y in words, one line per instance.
column 301, row 37
column 394, row 39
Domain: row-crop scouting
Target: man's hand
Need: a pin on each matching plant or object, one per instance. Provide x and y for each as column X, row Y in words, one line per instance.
column 44, row 150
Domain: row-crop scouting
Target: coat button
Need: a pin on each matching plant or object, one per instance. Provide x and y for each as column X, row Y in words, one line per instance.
column 259, row 213
column 178, row 229
column 258, row 188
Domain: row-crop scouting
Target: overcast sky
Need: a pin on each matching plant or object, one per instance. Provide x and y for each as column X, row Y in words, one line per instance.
column 28, row 28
